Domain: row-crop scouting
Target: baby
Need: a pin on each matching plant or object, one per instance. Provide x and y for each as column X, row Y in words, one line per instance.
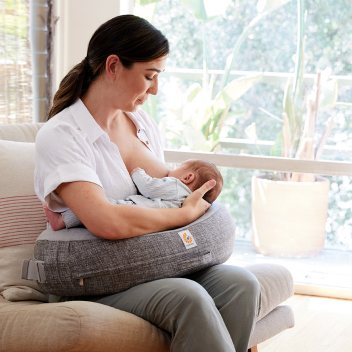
column 167, row 192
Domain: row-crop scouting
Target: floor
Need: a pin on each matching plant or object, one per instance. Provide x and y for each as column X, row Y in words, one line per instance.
column 322, row 325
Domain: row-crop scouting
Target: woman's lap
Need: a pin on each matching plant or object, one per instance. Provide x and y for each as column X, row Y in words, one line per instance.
column 220, row 302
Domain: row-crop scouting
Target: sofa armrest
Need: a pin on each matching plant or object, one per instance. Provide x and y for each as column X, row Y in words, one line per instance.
column 76, row 326
column 276, row 285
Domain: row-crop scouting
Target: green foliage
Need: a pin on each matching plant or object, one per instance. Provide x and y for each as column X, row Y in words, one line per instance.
column 276, row 149
column 13, row 19
column 269, row 47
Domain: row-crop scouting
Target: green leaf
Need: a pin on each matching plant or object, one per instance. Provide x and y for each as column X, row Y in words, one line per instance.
column 251, row 132
column 276, row 149
column 195, row 139
column 235, row 89
column 192, row 92
column 329, row 93
column 288, row 105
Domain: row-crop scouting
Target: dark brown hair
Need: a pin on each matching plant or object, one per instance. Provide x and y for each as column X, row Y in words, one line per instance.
column 207, row 171
column 131, row 38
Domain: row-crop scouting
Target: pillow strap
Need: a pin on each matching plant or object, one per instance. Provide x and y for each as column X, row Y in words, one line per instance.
column 33, row 270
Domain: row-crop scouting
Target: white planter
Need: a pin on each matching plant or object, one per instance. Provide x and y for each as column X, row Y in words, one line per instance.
column 288, row 218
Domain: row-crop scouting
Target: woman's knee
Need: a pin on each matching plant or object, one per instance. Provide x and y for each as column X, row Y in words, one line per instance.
column 190, row 293
column 250, row 282
column 239, row 278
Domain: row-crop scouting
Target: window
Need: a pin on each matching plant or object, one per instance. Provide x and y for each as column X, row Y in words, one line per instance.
column 264, row 40
column 15, row 63
column 25, row 60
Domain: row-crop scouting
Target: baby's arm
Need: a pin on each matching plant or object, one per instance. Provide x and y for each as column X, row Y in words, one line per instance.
column 162, row 188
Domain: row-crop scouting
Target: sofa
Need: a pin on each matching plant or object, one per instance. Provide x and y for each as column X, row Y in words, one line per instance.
column 29, row 323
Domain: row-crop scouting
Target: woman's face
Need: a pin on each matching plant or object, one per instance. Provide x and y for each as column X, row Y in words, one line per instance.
column 134, row 85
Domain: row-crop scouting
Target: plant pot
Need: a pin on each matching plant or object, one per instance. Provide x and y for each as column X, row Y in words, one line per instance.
column 288, row 218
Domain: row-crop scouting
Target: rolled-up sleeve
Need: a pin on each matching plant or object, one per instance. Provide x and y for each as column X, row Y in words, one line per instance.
column 62, row 155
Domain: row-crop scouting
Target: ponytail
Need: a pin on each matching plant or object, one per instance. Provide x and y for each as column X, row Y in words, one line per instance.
column 73, row 85
column 131, row 38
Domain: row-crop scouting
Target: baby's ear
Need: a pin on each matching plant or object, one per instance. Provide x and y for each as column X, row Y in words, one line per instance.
column 188, row 178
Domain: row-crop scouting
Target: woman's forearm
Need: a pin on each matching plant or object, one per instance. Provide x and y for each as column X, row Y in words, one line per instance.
column 124, row 221
column 116, row 221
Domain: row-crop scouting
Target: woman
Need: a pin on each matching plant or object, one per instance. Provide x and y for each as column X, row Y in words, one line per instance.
column 84, row 155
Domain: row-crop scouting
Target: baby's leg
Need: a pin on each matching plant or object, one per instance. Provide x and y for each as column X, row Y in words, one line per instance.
column 55, row 219
column 70, row 219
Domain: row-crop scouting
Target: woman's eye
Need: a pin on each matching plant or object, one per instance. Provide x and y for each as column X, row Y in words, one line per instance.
column 148, row 78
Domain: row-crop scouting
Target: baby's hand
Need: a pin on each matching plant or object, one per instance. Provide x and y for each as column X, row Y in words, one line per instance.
column 134, row 170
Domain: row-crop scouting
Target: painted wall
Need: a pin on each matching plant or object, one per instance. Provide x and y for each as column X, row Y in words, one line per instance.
column 77, row 21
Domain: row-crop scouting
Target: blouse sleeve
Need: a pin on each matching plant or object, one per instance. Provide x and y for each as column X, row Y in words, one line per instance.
column 61, row 155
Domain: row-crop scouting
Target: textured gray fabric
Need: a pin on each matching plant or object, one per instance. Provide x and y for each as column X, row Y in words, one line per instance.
column 276, row 285
column 113, row 266
column 279, row 319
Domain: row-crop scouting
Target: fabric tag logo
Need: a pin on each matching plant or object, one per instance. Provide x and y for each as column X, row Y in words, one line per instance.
column 188, row 239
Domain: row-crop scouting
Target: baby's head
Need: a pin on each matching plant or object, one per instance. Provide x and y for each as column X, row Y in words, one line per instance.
column 194, row 173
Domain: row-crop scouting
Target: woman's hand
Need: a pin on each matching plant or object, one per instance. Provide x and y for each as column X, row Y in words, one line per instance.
column 195, row 204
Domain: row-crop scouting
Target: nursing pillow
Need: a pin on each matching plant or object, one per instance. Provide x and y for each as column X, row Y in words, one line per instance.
column 75, row 262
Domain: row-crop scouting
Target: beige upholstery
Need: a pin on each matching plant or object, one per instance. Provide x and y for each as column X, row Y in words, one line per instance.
column 26, row 324
column 279, row 319
column 24, row 132
column 75, row 326
column 21, row 217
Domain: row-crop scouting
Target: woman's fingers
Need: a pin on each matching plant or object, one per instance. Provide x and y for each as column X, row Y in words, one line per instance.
column 207, row 186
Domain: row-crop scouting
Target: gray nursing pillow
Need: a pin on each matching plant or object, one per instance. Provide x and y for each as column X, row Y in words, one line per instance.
column 76, row 262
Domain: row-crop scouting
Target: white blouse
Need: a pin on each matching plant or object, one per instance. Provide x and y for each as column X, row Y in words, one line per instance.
column 71, row 146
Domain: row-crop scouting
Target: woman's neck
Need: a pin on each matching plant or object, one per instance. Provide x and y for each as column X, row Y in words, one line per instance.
column 96, row 101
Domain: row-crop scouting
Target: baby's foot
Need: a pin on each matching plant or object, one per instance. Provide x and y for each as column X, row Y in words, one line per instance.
column 55, row 219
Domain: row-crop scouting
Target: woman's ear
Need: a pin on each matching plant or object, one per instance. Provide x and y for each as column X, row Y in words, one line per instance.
column 187, row 179
column 112, row 66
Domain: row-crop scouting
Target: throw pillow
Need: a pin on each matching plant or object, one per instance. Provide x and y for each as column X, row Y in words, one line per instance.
column 21, row 220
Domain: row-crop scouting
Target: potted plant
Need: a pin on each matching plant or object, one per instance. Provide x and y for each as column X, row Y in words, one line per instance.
column 289, row 210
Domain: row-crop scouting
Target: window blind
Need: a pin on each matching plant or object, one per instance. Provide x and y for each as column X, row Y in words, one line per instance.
column 15, row 62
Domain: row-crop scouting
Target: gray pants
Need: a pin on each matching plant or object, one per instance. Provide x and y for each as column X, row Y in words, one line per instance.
column 213, row 310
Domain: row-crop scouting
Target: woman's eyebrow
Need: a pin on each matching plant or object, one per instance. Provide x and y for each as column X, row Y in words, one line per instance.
column 154, row 69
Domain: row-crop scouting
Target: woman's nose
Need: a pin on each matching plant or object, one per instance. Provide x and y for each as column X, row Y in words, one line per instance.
column 153, row 89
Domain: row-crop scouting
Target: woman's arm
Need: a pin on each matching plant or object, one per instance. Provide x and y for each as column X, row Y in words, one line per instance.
column 110, row 221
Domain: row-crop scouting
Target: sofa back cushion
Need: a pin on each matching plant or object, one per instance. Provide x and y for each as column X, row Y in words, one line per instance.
column 21, row 220
column 24, row 132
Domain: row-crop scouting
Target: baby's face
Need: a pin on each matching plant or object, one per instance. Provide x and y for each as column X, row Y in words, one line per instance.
column 182, row 171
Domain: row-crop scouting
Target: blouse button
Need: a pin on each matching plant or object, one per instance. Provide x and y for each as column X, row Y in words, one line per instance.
column 139, row 131
column 146, row 142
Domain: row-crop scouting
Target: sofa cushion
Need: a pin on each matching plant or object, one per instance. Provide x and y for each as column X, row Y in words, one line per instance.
column 76, row 326
column 24, row 132
column 21, row 219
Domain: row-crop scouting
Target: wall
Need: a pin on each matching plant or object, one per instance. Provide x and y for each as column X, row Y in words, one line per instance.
column 77, row 21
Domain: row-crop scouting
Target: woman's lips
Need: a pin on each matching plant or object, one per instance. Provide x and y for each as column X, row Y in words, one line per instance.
column 140, row 101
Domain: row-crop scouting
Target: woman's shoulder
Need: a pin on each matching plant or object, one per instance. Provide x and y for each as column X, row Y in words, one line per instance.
column 61, row 124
